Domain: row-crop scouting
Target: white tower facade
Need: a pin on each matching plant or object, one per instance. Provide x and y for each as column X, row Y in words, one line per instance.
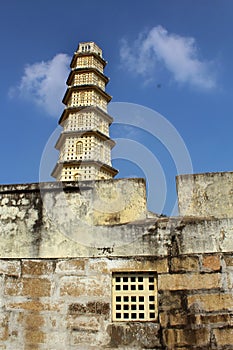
column 84, row 144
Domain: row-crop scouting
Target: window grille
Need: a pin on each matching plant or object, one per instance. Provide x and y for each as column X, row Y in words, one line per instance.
column 134, row 296
column 80, row 120
column 79, row 148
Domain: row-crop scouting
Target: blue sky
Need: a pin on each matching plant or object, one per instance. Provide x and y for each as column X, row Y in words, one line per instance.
column 174, row 57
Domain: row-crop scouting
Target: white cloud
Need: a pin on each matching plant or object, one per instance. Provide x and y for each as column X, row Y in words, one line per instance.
column 43, row 83
column 178, row 54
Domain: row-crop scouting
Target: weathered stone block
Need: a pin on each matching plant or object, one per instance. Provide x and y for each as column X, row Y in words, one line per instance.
column 218, row 320
column 77, row 308
column 37, row 267
column 4, row 327
column 84, row 323
column 97, row 307
column 169, row 300
column 13, row 286
column 211, row 263
column 36, row 287
column 188, row 281
column 33, row 321
column 224, row 336
column 32, row 346
column 134, row 335
column 132, row 263
column 34, row 336
column 228, row 260
column 102, row 308
column 81, row 286
column 184, row 337
column 100, row 287
column 178, row 318
column 10, row 267
column 184, row 264
column 34, row 305
column 72, row 286
column 97, row 266
column 173, row 318
column 71, row 266
column 211, row 302
column 157, row 265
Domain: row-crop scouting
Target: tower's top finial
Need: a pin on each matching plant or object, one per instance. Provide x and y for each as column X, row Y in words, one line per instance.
column 89, row 46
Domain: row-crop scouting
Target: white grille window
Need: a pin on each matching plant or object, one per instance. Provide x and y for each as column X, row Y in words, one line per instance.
column 134, row 296
column 79, row 148
column 80, row 120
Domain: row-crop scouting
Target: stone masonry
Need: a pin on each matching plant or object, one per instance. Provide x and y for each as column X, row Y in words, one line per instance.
column 61, row 244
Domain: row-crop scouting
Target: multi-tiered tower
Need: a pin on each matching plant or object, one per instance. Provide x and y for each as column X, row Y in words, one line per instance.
column 84, row 144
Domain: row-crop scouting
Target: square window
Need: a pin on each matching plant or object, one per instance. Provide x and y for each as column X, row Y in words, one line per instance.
column 134, row 296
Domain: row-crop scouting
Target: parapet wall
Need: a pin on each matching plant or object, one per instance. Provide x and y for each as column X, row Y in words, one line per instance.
column 65, row 219
column 206, row 195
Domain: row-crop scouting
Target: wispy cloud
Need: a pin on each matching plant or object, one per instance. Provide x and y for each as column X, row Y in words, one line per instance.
column 43, row 83
column 178, row 54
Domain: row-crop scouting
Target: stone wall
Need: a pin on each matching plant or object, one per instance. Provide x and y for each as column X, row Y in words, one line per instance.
column 59, row 248
column 66, row 303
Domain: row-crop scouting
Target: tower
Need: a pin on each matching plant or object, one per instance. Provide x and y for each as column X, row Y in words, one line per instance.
column 84, row 144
